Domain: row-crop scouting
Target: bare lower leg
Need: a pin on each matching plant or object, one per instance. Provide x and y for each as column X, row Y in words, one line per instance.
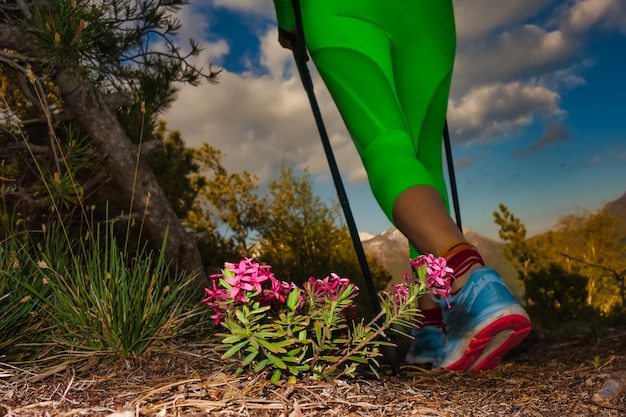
column 419, row 212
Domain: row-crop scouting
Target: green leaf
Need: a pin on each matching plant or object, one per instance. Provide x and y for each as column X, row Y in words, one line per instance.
column 261, row 365
column 230, row 352
column 350, row 369
column 259, row 310
column 284, row 343
column 276, row 376
column 254, row 342
column 276, row 361
column 295, row 369
column 271, row 347
column 290, row 359
column 249, row 358
column 231, row 339
column 382, row 343
column 292, row 299
column 243, row 319
column 265, row 334
column 234, row 327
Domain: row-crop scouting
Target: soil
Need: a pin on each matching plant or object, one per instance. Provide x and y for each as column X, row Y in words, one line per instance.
column 546, row 376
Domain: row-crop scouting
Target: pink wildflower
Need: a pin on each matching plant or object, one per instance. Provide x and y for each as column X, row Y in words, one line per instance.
column 217, row 316
column 278, row 292
column 214, row 299
column 423, row 260
column 215, row 295
column 330, row 287
column 250, row 272
column 438, row 276
column 408, row 279
column 398, row 294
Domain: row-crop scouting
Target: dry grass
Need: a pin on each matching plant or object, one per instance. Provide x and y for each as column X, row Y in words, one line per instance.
column 548, row 376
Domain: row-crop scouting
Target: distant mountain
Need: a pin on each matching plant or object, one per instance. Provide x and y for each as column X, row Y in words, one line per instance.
column 365, row 236
column 392, row 250
column 617, row 208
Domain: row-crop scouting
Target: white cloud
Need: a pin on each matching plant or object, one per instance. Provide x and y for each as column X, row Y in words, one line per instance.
column 495, row 111
column 476, row 18
column 274, row 58
column 261, row 122
column 515, row 54
column 567, row 78
column 196, row 25
column 261, row 7
column 585, row 14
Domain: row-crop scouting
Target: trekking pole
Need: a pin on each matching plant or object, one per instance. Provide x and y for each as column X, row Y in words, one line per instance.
column 450, row 163
column 301, row 58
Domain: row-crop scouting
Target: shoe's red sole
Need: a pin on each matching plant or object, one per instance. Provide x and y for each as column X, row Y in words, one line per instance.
column 490, row 344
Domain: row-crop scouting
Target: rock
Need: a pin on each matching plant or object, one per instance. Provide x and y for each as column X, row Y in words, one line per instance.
column 612, row 389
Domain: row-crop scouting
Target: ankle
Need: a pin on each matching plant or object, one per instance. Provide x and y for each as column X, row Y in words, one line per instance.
column 433, row 317
column 463, row 258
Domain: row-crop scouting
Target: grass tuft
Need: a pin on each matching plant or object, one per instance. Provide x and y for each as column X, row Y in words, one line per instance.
column 98, row 298
column 18, row 308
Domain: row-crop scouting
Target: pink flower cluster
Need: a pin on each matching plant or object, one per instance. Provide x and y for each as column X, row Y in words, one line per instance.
column 399, row 293
column 248, row 281
column 330, row 287
column 242, row 282
column 438, row 277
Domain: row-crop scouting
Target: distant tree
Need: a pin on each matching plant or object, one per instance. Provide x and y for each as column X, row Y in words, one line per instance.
column 592, row 244
column 305, row 237
column 231, row 197
column 513, row 232
column 618, row 276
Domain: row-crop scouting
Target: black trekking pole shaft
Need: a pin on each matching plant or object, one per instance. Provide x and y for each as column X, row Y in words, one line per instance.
column 452, row 176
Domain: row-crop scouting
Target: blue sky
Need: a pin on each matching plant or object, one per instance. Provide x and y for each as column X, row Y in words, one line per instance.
column 536, row 112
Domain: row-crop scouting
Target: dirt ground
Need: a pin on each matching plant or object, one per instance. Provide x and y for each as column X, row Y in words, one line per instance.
column 546, row 376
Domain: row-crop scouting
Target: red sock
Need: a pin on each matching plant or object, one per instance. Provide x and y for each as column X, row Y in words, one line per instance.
column 432, row 317
column 461, row 256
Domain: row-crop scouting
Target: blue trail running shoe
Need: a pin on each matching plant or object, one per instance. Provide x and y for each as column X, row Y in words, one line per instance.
column 482, row 324
column 428, row 342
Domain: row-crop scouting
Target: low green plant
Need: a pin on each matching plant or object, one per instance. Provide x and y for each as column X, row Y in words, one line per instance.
column 100, row 298
column 18, row 309
column 596, row 362
column 287, row 330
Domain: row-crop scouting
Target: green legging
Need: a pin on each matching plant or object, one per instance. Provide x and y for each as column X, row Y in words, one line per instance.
column 387, row 65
